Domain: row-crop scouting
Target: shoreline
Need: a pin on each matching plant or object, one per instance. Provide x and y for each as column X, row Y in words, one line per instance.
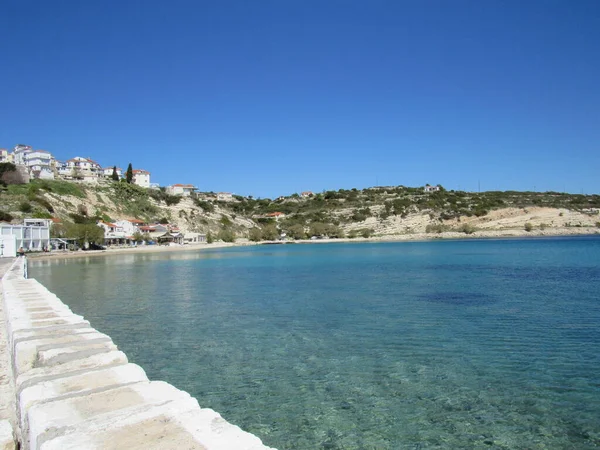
column 415, row 237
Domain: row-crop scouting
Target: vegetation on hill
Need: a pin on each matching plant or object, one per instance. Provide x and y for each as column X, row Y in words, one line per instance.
column 341, row 213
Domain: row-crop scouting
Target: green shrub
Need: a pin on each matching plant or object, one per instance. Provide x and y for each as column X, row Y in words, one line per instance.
column 528, row 227
column 205, row 205
column 255, row 235
column 225, row 221
column 172, row 199
column 366, row 232
column 25, row 207
column 467, row 228
column 6, row 217
column 209, row 238
column 42, row 215
column 226, row 235
column 296, row 231
column 436, row 228
column 270, row 233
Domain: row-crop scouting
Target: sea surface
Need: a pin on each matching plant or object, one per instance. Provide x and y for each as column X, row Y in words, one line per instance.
column 470, row 344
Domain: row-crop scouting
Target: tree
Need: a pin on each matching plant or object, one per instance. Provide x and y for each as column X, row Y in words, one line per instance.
column 129, row 174
column 115, row 175
column 255, row 235
column 296, row 231
column 209, row 238
column 270, row 233
column 226, row 235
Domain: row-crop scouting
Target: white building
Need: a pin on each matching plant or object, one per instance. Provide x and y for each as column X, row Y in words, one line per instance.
column 429, row 188
column 28, row 238
column 224, row 196
column 108, row 171
column 80, row 168
column 3, row 155
column 181, row 189
column 40, row 163
column 129, row 226
column 194, row 238
column 113, row 233
column 19, row 152
column 141, row 177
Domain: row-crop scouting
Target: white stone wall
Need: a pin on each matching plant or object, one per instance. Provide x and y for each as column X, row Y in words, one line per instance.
column 76, row 390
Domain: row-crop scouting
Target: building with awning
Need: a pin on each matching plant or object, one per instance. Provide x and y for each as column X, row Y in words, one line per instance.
column 169, row 238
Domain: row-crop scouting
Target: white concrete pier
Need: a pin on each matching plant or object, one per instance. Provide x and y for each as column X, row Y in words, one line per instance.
column 65, row 385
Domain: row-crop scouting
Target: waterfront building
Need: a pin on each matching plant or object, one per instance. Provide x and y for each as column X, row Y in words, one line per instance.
column 27, row 237
column 114, row 234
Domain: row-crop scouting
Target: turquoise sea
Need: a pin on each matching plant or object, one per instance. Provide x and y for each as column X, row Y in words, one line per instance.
column 413, row 345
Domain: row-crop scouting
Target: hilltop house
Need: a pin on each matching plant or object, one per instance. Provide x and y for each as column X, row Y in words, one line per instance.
column 429, row 188
column 108, row 171
column 306, row 194
column 79, row 168
column 225, row 196
column 141, row 177
column 181, row 189
column 40, row 163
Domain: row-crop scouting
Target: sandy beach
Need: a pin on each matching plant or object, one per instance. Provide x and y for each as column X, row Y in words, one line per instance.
column 482, row 234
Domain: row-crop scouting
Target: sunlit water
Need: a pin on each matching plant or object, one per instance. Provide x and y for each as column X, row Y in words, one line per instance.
column 462, row 344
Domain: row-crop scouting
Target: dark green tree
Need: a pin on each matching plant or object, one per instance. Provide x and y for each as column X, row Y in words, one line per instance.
column 129, row 174
column 115, row 175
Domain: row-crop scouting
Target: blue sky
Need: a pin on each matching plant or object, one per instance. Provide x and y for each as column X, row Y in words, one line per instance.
column 268, row 98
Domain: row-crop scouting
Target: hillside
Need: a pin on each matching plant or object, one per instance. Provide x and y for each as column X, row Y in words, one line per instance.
column 371, row 212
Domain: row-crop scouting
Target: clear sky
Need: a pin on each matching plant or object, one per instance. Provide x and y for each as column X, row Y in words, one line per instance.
column 268, row 98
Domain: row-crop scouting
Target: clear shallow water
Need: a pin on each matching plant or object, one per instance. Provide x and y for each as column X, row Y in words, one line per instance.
column 448, row 344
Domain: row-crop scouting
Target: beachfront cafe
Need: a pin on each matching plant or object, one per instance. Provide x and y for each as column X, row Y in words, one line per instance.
column 169, row 238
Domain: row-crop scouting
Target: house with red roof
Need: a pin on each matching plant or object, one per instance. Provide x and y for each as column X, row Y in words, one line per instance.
column 82, row 169
column 181, row 189
column 141, row 177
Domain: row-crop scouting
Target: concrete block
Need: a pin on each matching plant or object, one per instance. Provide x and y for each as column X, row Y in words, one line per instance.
column 28, row 354
column 7, row 438
column 70, row 368
column 103, row 410
column 76, row 350
column 80, row 384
